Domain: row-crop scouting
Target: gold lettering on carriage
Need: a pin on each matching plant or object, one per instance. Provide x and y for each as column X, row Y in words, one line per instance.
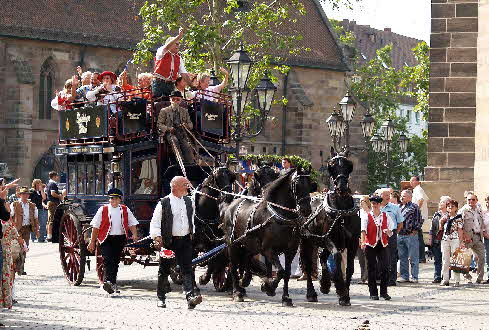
column 134, row 116
column 82, row 121
column 211, row 117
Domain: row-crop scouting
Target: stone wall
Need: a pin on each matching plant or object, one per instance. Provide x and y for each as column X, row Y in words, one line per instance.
column 24, row 136
column 451, row 127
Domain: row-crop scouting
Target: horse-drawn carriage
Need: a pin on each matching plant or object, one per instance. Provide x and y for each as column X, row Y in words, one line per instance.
column 118, row 145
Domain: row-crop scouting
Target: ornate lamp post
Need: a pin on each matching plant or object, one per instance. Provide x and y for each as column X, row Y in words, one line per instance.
column 388, row 128
column 214, row 81
column 368, row 125
column 241, row 65
column 335, row 124
column 347, row 106
column 403, row 143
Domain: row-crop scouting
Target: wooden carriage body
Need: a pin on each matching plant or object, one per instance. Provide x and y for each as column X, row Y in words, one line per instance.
column 117, row 145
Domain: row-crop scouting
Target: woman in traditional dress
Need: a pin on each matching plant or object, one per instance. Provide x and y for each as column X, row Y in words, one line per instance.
column 108, row 92
column 10, row 234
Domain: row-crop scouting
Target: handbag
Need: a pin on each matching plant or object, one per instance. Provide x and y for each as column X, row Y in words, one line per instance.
column 460, row 260
column 16, row 249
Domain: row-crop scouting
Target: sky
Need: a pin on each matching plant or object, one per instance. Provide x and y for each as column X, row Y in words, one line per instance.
column 406, row 17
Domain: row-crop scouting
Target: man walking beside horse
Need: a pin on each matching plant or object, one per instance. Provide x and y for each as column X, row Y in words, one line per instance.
column 172, row 227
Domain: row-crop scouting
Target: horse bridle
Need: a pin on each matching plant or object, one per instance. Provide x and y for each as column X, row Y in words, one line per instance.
column 341, row 175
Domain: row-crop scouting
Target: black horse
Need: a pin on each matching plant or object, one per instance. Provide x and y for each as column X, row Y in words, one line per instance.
column 269, row 227
column 208, row 234
column 261, row 177
column 335, row 226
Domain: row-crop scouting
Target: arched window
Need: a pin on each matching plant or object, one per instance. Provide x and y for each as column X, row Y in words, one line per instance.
column 46, row 88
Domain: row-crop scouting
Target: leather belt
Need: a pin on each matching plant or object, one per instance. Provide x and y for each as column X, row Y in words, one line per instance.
column 181, row 237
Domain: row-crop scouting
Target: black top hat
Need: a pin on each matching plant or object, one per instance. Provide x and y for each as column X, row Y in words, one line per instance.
column 114, row 192
column 375, row 198
column 176, row 94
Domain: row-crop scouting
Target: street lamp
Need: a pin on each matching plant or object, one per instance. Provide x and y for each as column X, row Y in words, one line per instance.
column 403, row 143
column 368, row 125
column 347, row 106
column 214, row 81
column 241, row 65
column 376, row 142
column 388, row 129
column 335, row 125
column 266, row 92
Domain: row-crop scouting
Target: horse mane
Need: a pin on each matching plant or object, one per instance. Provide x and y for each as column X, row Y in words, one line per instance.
column 274, row 185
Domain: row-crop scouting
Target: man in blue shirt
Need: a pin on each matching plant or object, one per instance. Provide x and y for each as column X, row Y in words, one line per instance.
column 395, row 214
column 407, row 239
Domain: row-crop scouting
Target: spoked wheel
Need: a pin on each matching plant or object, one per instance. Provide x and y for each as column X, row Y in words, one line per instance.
column 99, row 264
column 72, row 248
column 221, row 280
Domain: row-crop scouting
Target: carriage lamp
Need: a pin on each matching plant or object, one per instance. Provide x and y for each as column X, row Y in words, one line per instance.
column 403, row 142
column 240, row 64
column 388, row 129
column 368, row 125
column 266, row 92
column 347, row 106
column 115, row 164
column 376, row 142
column 214, row 81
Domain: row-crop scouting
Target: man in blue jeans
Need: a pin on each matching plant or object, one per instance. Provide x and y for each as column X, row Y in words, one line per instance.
column 407, row 239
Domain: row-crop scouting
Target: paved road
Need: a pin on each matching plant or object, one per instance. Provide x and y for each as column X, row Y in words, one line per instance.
column 46, row 301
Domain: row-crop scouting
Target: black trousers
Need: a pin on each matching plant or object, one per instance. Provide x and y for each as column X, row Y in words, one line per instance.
column 111, row 250
column 377, row 258
column 393, row 256
column 182, row 247
column 163, row 88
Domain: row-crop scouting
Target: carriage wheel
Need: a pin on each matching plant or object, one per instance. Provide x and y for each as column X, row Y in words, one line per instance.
column 99, row 265
column 221, row 280
column 72, row 248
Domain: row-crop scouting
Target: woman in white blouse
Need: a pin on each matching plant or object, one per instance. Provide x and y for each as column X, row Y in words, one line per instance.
column 108, row 92
column 376, row 229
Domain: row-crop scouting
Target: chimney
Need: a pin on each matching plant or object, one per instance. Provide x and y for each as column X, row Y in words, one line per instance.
column 387, row 29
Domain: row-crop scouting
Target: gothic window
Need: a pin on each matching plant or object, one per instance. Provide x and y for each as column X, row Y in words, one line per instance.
column 46, row 88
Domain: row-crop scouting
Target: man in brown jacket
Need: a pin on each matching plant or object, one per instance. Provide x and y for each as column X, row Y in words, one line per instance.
column 170, row 122
column 26, row 220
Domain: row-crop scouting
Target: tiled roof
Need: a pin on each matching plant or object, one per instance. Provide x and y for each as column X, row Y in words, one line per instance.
column 115, row 24
column 369, row 40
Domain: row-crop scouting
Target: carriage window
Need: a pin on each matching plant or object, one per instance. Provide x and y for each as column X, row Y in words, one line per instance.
column 90, row 179
column 72, row 178
column 99, row 178
column 144, row 177
column 81, row 179
column 108, row 177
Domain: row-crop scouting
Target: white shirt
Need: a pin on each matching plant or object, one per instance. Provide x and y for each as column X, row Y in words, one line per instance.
column 25, row 213
column 378, row 222
column 419, row 194
column 161, row 52
column 485, row 214
column 111, row 98
column 115, row 219
column 208, row 93
column 180, row 220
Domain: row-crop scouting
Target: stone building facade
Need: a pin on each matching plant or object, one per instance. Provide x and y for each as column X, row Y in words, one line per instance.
column 37, row 56
column 456, row 100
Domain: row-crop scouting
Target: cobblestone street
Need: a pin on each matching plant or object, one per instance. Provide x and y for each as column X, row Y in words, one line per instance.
column 46, row 301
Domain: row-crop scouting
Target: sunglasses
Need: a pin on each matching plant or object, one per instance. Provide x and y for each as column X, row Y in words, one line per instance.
column 471, row 199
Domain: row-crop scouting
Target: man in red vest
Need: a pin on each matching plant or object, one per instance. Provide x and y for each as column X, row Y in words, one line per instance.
column 376, row 228
column 168, row 66
column 110, row 227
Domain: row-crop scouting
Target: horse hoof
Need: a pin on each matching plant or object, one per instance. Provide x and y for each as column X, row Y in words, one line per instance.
column 287, row 302
column 238, row 297
column 325, row 289
column 265, row 287
column 344, row 302
column 204, row 279
column 312, row 298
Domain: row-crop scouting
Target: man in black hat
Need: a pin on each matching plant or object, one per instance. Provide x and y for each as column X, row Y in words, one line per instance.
column 110, row 227
column 377, row 227
column 170, row 123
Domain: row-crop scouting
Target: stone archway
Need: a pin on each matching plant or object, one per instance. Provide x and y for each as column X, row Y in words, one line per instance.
column 47, row 163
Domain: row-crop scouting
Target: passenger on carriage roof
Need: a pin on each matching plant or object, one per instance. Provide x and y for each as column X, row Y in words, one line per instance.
column 143, row 87
column 208, row 92
column 181, row 86
column 168, row 65
column 170, row 122
column 63, row 99
column 81, row 92
column 108, row 92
